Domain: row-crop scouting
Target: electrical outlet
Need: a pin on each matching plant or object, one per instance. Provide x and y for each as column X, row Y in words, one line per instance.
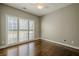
column 64, row 40
column 72, row 42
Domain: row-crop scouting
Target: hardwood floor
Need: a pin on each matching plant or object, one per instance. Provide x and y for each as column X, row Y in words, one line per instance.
column 39, row 48
column 53, row 49
column 27, row 49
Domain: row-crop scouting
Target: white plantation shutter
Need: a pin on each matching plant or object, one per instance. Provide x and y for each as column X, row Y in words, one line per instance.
column 31, row 30
column 19, row 29
column 23, row 29
column 12, row 29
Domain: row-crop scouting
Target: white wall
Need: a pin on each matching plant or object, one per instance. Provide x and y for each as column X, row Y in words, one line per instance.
column 63, row 24
column 12, row 11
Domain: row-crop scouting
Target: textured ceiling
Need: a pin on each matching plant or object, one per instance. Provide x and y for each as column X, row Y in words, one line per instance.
column 31, row 7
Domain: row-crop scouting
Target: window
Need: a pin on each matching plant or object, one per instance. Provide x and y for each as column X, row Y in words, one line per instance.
column 12, row 29
column 23, row 29
column 19, row 29
column 31, row 29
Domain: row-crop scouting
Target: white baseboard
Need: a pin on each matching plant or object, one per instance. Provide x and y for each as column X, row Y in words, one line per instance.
column 9, row 45
column 62, row 44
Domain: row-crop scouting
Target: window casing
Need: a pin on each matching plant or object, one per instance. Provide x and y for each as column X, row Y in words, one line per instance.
column 19, row 29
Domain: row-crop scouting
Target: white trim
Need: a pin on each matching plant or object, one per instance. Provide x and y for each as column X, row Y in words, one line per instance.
column 62, row 44
column 9, row 45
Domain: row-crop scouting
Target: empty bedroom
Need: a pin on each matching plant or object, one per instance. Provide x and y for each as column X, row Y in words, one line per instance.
column 39, row 29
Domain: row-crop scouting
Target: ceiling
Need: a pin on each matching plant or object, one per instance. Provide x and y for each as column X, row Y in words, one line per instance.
column 31, row 7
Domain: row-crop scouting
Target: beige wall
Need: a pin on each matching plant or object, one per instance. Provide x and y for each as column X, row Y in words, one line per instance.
column 63, row 24
column 12, row 11
column 0, row 24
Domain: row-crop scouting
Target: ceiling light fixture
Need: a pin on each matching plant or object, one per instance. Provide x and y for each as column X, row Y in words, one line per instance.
column 40, row 6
